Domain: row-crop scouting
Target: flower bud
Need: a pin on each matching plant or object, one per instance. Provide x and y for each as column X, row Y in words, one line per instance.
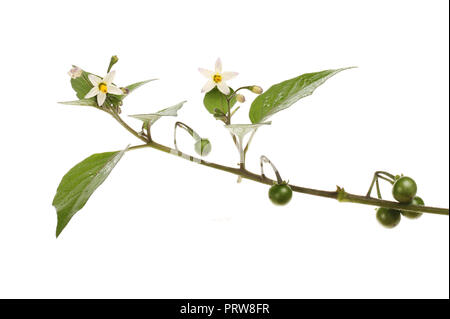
column 75, row 72
column 240, row 98
column 113, row 61
column 202, row 147
column 256, row 89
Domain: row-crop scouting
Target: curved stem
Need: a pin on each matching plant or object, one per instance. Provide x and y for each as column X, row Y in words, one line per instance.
column 263, row 160
column 386, row 179
column 149, row 133
column 339, row 194
column 188, row 129
column 379, row 174
column 127, row 127
column 378, row 190
column 392, row 177
column 235, row 92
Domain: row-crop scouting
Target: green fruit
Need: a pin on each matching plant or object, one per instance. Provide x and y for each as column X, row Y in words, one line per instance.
column 413, row 215
column 202, row 147
column 388, row 217
column 280, row 194
column 404, row 189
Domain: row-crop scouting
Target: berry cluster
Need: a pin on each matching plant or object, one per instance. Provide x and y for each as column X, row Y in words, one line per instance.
column 404, row 191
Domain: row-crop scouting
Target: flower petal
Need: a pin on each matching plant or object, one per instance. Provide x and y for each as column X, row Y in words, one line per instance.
column 109, row 77
column 206, row 73
column 101, row 97
column 208, row 86
column 223, row 87
column 93, row 92
column 228, row 75
column 218, row 66
column 112, row 89
column 95, row 80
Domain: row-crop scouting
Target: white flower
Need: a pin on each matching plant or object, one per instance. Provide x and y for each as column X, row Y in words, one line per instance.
column 75, row 72
column 102, row 87
column 217, row 78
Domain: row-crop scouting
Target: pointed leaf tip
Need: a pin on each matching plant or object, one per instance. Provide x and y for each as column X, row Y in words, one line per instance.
column 80, row 182
column 284, row 94
column 153, row 117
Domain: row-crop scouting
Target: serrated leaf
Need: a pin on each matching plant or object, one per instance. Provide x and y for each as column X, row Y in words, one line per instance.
column 215, row 99
column 153, row 117
column 282, row 95
column 80, row 182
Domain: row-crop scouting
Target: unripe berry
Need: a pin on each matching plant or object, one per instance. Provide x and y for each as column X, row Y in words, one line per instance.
column 413, row 215
column 404, row 189
column 388, row 217
column 280, row 194
column 202, row 147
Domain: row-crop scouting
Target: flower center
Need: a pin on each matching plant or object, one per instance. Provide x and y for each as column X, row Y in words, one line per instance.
column 103, row 87
column 217, row 78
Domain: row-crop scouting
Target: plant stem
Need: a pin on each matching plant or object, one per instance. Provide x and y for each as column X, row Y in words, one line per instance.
column 263, row 160
column 127, row 127
column 340, row 194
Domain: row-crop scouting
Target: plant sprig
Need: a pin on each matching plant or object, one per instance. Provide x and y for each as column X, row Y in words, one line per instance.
column 84, row 178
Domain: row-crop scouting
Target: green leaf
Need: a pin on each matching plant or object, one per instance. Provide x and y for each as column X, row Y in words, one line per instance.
column 82, row 85
column 153, row 117
column 80, row 182
column 136, row 85
column 83, row 102
column 282, row 95
column 215, row 99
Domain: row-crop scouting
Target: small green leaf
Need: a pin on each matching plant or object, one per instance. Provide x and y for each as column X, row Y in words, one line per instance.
column 136, row 85
column 282, row 95
column 80, row 182
column 215, row 99
column 153, row 117
column 83, row 102
column 82, row 85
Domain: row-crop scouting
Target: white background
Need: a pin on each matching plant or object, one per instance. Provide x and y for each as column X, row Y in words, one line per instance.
column 161, row 227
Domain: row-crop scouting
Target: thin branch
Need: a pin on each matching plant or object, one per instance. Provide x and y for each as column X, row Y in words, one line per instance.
column 263, row 160
column 128, row 128
column 340, row 194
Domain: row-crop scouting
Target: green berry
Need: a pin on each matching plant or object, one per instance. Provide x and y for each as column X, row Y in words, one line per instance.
column 413, row 215
column 388, row 217
column 404, row 189
column 202, row 147
column 280, row 194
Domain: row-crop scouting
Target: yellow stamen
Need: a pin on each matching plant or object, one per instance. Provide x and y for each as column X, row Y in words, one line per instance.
column 217, row 78
column 103, row 87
